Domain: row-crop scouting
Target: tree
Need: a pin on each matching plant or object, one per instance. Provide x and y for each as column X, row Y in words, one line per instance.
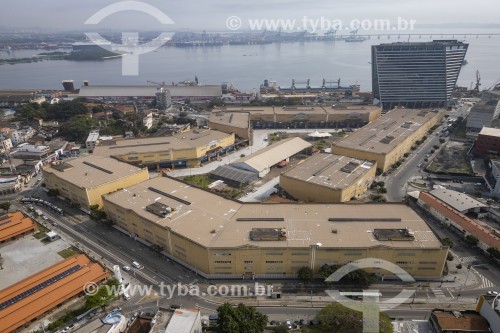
column 280, row 329
column 494, row 252
column 448, row 242
column 471, row 240
column 358, row 277
column 340, row 319
column 241, row 319
column 53, row 192
column 5, row 205
column 77, row 128
column 305, row 274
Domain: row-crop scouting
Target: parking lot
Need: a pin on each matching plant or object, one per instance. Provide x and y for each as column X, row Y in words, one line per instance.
column 27, row 256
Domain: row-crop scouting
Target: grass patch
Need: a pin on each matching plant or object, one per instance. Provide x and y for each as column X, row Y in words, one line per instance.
column 451, row 160
column 41, row 232
column 70, row 251
column 201, row 181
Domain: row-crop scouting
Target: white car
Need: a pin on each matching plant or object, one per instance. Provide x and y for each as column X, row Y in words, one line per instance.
column 39, row 179
column 288, row 324
column 45, row 217
column 492, row 293
column 126, row 268
column 136, row 264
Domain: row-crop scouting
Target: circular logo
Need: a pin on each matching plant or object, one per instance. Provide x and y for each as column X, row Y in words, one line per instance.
column 90, row 288
column 233, row 22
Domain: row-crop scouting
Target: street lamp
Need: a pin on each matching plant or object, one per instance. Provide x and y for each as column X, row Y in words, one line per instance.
column 467, row 277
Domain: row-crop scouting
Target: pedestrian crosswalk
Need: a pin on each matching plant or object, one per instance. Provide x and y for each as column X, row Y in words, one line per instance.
column 470, row 259
column 485, row 283
column 439, row 293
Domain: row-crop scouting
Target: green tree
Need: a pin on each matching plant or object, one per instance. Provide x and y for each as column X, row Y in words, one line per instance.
column 471, row 240
column 358, row 277
column 305, row 274
column 280, row 329
column 240, row 319
column 340, row 319
column 5, row 205
column 448, row 242
column 77, row 128
column 494, row 252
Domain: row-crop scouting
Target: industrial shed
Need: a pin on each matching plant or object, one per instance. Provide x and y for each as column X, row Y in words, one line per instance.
column 262, row 161
column 233, row 176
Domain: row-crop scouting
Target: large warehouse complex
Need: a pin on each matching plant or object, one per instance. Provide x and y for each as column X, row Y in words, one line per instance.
column 222, row 238
column 32, row 297
column 84, row 180
column 388, row 138
column 326, row 178
column 148, row 93
column 307, row 116
column 187, row 149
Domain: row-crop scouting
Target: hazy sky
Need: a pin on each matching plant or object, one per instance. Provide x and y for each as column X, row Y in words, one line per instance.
column 212, row 14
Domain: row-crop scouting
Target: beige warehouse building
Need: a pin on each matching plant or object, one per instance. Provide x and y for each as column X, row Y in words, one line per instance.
column 326, row 178
column 84, row 180
column 307, row 116
column 221, row 238
column 231, row 122
column 187, row 149
column 388, row 138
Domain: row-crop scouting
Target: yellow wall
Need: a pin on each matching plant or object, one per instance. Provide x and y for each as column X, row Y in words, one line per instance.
column 282, row 261
column 310, row 192
column 87, row 197
column 240, row 132
column 192, row 155
column 385, row 161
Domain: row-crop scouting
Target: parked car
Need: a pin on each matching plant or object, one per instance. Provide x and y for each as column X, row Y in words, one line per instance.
column 288, row 324
column 492, row 293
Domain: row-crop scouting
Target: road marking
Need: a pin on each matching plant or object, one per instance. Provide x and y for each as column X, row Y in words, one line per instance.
column 438, row 292
column 449, row 291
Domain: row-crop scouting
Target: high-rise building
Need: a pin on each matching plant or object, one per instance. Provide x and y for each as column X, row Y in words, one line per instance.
column 416, row 75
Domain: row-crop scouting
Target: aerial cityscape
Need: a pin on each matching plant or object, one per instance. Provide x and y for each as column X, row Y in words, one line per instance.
column 258, row 168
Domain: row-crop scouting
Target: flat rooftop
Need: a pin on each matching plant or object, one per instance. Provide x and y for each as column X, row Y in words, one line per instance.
column 179, row 141
column 236, row 119
column 91, row 171
column 213, row 221
column 387, row 132
column 362, row 109
column 490, row 131
column 332, row 171
column 460, row 321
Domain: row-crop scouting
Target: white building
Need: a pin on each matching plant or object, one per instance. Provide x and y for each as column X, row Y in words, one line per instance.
column 163, row 99
column 494, row 184
column 91, row 141
column 185, row 321
column 147, row 121
column 490, row 310
column 10, row 185
column 6, row 145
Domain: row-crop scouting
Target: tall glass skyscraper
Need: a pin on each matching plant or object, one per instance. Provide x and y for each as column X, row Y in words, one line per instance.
column 416, row 75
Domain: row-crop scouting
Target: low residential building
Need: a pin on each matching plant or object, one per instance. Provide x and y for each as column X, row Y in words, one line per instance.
column 222, row 238
column 487, row 142
column 352, row 116
column 458, row 222
column 231, row 122
column 34, row 155
column 263, row 160
column 15, row 225
column 5, row 145
column 185, row 321
column 147, row 121
column 388, row 138
column 113, row 322
column 31, row 298
column 186, row 149
column 489, row 308
column 448, row 321
column 84, row 180
column 326, row 178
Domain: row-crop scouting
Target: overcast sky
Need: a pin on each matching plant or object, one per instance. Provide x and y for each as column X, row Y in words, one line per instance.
column 212, row 14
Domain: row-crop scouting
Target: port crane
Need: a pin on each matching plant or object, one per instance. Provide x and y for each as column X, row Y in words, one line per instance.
column 306, row 82
column 478, row 82
column 328, row 84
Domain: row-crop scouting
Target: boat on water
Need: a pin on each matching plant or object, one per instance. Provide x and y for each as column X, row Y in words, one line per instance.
column 355, row 39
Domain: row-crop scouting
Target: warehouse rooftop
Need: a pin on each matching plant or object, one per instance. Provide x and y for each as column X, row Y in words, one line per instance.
column 91, row 171
column 328, row 170
column 490, row 131
column 184, row 140
column 149, row 91
column 387, row 132
column 236, row 119
column 303, row 109
column 213, row 221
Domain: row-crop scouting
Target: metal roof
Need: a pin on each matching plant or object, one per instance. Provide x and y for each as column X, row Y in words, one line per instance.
column 235, row 174
column 149, row 91
column 459, row 201
column 272, row 155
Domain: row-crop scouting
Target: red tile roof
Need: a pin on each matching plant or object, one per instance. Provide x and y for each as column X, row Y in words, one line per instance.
column 19, row 224
column 472, row 227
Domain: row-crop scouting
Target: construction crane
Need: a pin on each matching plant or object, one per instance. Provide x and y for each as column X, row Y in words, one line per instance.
column 478, row 82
